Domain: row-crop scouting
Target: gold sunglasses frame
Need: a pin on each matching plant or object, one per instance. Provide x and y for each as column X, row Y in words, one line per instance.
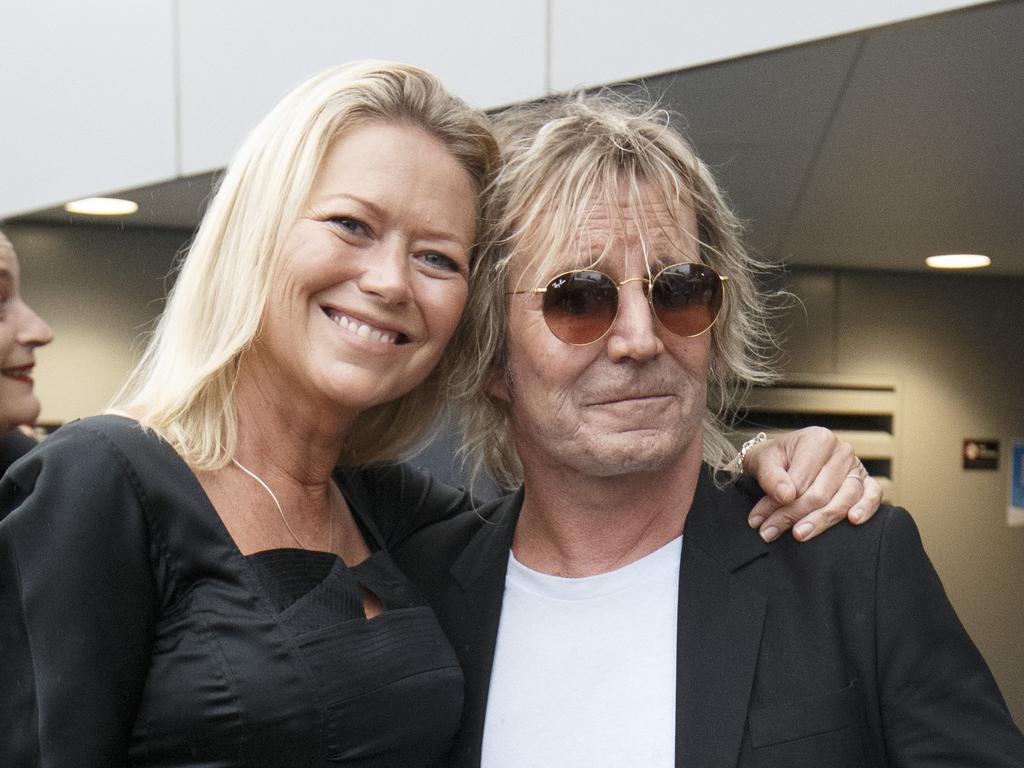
column 650, row 302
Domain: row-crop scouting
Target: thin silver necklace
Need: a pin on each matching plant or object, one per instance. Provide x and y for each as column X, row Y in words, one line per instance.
column 280, row 511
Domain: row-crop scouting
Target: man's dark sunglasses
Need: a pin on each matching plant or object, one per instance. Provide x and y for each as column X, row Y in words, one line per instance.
column 580, row 306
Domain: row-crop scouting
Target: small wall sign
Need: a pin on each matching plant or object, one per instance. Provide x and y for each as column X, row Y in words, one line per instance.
column 981, row 453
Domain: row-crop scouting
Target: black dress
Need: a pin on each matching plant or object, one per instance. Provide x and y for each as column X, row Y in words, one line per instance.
column 14, row 445
column 134, row 632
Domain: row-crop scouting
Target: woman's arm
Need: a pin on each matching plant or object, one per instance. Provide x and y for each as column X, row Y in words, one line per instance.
column 806, row 474
column 77, row 604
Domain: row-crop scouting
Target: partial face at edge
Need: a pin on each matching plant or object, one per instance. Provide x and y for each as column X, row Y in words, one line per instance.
column 21, row 331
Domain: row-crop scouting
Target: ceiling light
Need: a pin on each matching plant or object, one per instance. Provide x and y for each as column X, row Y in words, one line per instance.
column 958, row 261
column 102, row 206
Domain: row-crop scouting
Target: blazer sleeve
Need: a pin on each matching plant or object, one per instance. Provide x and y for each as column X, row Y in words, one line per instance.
column 77, row 603
column 940, row 704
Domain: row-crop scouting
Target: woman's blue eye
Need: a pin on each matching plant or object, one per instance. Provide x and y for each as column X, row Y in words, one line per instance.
column 347, row 223
column 440, row 261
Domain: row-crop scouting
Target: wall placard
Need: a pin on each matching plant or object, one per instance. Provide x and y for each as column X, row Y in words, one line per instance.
column 980, row 453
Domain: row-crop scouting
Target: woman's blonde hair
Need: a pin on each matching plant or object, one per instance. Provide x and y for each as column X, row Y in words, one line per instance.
column 560, row 158
column 183, row 385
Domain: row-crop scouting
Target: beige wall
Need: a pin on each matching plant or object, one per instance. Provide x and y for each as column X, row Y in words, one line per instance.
column 955, row 344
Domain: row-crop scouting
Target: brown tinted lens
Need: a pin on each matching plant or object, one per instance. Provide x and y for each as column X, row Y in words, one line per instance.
column 579, row 307
column 687, row 298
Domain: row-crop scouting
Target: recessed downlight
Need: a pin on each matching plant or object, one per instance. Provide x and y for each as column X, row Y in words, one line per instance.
column 102, row 206
column 958, row 261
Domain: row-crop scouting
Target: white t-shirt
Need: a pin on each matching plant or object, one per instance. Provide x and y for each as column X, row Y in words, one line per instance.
column 585, row 669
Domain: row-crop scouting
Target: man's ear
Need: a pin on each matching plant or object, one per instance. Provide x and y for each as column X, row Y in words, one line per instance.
column 498, row 384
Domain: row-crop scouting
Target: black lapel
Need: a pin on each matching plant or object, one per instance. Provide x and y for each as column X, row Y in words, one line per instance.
column 720, row 622
column 473, row 607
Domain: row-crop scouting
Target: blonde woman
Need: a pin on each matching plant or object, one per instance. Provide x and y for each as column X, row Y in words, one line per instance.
column 194, row 581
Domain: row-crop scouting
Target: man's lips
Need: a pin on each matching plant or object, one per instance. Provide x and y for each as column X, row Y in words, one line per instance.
column 630, row 398
column 21, row 373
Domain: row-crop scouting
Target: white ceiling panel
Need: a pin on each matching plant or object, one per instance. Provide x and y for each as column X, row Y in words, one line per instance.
column 239, row 58
column 67, row 68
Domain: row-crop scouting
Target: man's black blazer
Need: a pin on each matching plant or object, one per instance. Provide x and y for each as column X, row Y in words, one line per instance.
column 843, row 651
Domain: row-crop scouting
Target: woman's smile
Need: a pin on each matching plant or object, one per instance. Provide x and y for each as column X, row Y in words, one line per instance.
column 365, row 330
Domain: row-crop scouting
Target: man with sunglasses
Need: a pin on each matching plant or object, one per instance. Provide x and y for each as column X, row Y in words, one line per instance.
column 619, row 610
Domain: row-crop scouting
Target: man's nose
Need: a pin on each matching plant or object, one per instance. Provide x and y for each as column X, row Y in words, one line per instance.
column 634, row 334
column 386, row 272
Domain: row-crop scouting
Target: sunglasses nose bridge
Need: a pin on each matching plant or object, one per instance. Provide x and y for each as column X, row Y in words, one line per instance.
column 646, row 287
column 633, row 280
column 634, row 309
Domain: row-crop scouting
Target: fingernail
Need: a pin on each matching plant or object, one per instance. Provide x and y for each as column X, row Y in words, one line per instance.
column 803, row 530
column 769, row 534
column 755, row 521
column 785, row 490
column 857, row 514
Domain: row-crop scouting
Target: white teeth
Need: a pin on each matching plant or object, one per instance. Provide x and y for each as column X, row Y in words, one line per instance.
column 364, row 330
